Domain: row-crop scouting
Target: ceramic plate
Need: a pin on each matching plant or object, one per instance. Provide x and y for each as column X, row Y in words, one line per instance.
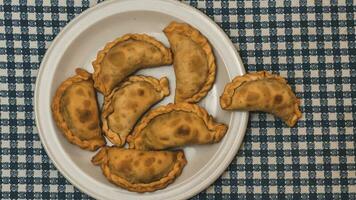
column 77, row 46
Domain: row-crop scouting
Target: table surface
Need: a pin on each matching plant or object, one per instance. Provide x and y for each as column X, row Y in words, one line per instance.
column 310, row 43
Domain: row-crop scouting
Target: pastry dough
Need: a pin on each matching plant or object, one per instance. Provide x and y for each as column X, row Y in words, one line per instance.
column 262, row 91
column 75, row 110
column 126, row 104
column 140, row 171
column 124, row 56
column 176, row 125
column 194, row 62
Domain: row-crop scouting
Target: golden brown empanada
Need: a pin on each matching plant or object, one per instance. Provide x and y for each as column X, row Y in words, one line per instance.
column 126, row 104
column 140, row 171
column 75, row 110
column 194, row 62
column 261, row 91
column 176, row 125
column 126, row 55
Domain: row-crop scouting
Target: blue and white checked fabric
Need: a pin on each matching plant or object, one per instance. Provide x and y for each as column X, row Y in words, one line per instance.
column 311, row 43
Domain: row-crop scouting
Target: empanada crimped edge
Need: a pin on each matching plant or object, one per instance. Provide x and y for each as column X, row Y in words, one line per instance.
column 161, row 86
column 226, row 97
column 218, row 128
column 91, row 145
column 197, row 37
column 167, row 54
column 177, row 169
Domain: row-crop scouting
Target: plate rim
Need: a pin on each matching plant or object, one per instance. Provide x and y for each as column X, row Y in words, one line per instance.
column 241, row 129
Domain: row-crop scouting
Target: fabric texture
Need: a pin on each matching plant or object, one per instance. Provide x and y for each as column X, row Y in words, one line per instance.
column 311, row 43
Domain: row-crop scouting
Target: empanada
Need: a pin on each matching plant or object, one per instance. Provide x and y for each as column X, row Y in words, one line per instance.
column 140, row 171
column 194, row 62
column 176, row 125
column 126, row 55
column 126, row 104
column 75, row 110
column 261, row 91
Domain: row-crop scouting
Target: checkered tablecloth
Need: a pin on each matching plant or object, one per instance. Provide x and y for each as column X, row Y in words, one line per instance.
column 310, row 43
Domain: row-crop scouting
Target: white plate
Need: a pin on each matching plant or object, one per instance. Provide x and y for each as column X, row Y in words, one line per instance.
column 78, row 44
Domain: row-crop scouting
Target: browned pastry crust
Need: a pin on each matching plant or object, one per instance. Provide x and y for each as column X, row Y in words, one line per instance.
column 102, row 159
column 198, row 38
column 226, row 99
column 99, row 85
column 218, row 129
column 91, row 144
column 161, row 89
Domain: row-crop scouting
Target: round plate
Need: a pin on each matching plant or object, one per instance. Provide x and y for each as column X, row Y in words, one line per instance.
column 78, row 44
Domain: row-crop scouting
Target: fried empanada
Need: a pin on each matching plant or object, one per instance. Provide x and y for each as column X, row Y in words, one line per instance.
column 126, row 55
column 261, row 91
column 194, row 62
column 140, row 171
column 75, row 110
column 126, row 104
column 176, row 125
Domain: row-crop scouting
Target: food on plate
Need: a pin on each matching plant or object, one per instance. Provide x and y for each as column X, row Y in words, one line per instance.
column 194, row 62
column 140, row 171
column 126, row 104
column 262, row 91
column 176, row 125
column 126, row 55
column 75, row 111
